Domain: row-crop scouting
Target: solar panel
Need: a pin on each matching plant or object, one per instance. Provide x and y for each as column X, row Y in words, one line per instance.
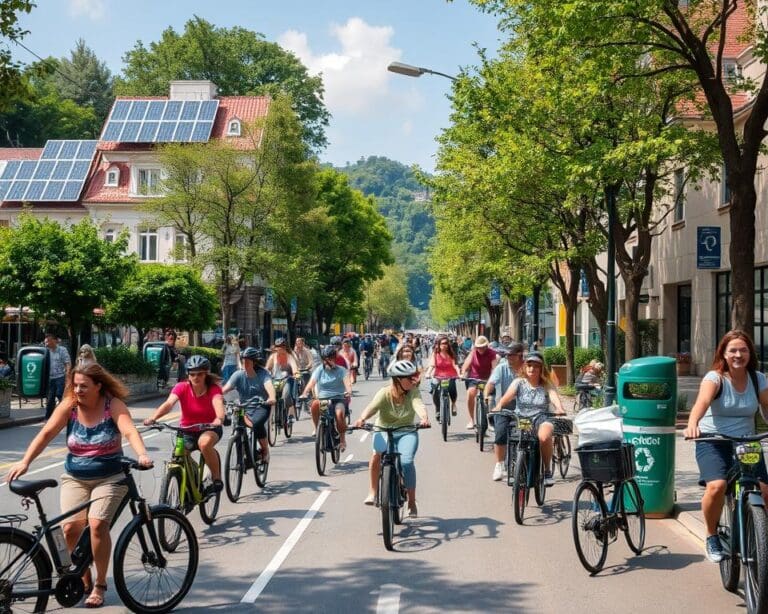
column 59, row 175
column 160, row 121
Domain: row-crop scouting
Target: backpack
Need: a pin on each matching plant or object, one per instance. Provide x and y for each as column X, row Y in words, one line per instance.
column 752, row 376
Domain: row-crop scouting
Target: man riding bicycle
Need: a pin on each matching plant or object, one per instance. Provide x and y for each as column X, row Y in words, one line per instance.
column 367, row 349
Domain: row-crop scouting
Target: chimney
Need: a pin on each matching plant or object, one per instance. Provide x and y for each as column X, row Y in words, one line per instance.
column 193, row 90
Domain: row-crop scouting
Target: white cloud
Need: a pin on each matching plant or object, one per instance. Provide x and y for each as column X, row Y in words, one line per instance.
column 93, row 9
column 407, row 127
column 355, row 76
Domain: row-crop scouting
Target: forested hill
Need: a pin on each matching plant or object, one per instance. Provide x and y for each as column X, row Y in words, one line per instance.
column 404, row 202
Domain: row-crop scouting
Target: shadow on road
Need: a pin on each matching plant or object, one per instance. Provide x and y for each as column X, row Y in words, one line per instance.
column 429, row 532
column 652, row 557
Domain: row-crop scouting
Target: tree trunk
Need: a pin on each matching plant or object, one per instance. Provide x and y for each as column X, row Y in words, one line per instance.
column 632, row 285
column 742, row 253
column 494, row 313
column 598, row 298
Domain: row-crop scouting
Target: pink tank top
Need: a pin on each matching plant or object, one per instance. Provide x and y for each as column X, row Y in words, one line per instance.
column 481, row 365
column 444, row 366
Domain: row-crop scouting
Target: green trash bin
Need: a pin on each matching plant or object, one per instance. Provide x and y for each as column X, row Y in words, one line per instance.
column 153, row 354
column 32, row 372
column 647, row 398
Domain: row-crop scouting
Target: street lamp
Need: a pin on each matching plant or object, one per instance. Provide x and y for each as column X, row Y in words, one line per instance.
column 610, row 325
column 414, row 71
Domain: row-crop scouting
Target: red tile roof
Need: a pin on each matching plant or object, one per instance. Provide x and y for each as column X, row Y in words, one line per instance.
column 245, row 108
column 20, row 153
column 99, row 193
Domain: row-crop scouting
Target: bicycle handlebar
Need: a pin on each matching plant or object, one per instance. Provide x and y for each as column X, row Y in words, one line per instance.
column 721, row 437
column 163, row 426
column 368, row 426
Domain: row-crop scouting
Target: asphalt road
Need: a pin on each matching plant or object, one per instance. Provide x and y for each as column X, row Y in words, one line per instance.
column 307, row 542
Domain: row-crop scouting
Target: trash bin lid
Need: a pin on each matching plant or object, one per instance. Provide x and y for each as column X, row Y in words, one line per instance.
column 650, row 367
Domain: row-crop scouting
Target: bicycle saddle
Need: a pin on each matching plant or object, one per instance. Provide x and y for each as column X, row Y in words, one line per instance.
column 30, row 488
column 582, row 386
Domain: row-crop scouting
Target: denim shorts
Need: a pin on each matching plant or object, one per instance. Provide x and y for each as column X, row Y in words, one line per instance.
column 191, row 437
column 715, row 459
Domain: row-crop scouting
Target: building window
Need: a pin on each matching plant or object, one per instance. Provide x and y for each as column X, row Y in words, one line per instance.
column 679, row 214
column 113, row 178
column 723, row 301
column 109, row 235
column 725, row 193
column 4, row 223
column 731, row 71
column 147, row 182
column 234, row 128
column 148, row 245
column 180, row 247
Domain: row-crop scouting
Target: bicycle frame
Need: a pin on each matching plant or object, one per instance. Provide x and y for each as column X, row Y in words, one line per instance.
column 743, row 483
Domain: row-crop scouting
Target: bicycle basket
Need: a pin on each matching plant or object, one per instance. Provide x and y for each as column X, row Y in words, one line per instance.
column 562, row 426
column 612, row 462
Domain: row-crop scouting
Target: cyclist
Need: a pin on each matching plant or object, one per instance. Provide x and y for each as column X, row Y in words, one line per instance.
column 442, row 364
column 397, row 405
column 726, row 404
column 384, row 353
column 533, row 393
column 201, row 402
column 253, row 380
column 502, row 377
column 367, row 349
column 406, row 352
column 331, row 382
column 304, row 360
column 348, row 352
column 282, row 365
column 94, row 411
column 477, row 365
column 340, row 359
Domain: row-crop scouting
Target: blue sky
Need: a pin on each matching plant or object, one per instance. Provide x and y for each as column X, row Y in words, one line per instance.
column 351, row 42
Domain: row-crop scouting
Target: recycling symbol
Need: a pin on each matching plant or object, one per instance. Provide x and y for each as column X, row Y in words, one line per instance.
column 31, row 368
column 644, row 460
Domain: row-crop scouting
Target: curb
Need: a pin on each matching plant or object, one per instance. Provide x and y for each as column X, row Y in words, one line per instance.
column 691, row 523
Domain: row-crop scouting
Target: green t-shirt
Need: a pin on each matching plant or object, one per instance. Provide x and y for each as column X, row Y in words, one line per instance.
column 390, row 415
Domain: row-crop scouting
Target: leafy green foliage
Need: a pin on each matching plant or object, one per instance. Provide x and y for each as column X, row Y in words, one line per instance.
column 240, row 62
column 11, row 80
column 386, row 300
column 211, row 354
column 554, row 355
column 122, row 360
column 583, row 356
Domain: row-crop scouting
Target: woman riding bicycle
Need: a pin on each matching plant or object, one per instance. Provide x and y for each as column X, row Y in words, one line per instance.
column 533, row 393
column 96, row 417
column 282, row 365
column 726, row 404
column 253, row 380
column 332, row 384
column 442, row 364
column 397, row 405
column 201, row 402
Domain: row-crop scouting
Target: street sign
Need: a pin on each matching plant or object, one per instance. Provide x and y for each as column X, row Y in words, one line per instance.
column 269, row 300
column 494, row 296
column 294, row 306
column 584, row 290
column 708, row 247
column 529, row 305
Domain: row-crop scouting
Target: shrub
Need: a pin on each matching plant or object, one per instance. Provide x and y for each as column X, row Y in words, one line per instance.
column 214, row 355
column 583, row 356
column 554, row 355
column 122, row 360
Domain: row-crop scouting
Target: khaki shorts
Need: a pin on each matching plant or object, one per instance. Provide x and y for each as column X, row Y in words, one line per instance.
column 105, row 492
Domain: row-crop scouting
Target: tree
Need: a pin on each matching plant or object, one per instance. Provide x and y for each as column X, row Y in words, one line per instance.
column 240, row 62
column 690, row 39
column 164, row 296
column 386, row 300
column 63, row 272
column 11, row 79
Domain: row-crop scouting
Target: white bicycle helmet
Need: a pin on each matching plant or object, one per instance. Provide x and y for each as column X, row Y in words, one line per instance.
column 402, row 368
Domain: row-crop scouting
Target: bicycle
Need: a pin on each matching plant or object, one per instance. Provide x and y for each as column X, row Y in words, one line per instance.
column 743, row 524
column 368, row 366
column 279, row 419
column 383, row 364
column 327, row 438
column 150, row 574
column 561, row 445
column 595, row 525
column 527, row 468
column 391, row 493
column 481, row 411
column 445, row 405
column 586, row 397
column 243, row 451
column 302, row 403
column 187, row 483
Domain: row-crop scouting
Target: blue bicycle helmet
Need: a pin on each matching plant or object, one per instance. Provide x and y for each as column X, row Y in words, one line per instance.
column 252, row 353
column 198, row 363
column 329, row 351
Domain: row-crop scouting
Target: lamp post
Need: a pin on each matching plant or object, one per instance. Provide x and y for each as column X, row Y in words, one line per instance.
column 610, row 288
column 414, row 71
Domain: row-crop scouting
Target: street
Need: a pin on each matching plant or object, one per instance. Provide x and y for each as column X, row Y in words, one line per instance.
column 308, row 542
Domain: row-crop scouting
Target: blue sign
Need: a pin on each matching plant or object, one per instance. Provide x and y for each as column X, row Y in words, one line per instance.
column 529, row 305
column 294, row 306
column 584, row 284
column 269, row 300
column 708, row 247
column 494, row 296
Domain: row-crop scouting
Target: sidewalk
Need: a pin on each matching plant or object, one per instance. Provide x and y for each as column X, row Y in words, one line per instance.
column 688, row 493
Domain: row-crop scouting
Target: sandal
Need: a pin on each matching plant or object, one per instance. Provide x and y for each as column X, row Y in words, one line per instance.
column 94, row 600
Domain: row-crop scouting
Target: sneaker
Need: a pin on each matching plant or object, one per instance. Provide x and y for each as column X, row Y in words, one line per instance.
column 370, row 499
column 437, row 416
column 413, row 511
column 291, row 419
column 498, row 472
column 470, row 426
column 548, row 479
column 714, row 549
column 453, row 410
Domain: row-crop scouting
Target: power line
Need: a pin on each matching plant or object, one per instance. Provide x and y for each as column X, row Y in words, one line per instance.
column 55, row 68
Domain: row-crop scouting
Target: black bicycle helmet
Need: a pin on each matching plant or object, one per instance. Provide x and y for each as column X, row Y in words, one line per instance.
column 198, row 363
column 402, row 368
column 329, row 351
column 252, row 353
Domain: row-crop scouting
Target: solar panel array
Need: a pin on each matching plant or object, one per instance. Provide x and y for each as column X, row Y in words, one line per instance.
column 160, row 121
column 58, row 175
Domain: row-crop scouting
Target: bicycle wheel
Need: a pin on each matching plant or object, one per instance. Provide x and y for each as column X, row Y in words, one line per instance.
column 30, row 572
column 445, row 412
column 320, row 453
column 279, row 420
column 260, row 466
column 209, row 506
column 587, row 522
column 730, row 566
column 511, row 461
column 634, row 516
column 477, row 419
column 148, row 577
column 540, row 489
column 520, row 490
column 388, row 507
column 756, row 551
column 271, row 427
column 287, row 427
column 334, row 443
column 234, row 467
column 170, row 495
column 482, row 424
column 563, row 454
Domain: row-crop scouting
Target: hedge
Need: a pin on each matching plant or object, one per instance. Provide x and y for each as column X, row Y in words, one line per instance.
column 214, row 355
column 122, row 360
column 555, row 355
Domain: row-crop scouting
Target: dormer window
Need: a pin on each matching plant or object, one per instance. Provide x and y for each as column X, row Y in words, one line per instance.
column 233, row 129
column 731, row 71
column 112, row 178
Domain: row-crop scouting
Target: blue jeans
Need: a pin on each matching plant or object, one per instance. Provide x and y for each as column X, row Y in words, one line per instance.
column 406, row 443
column 55, row 392
column 226, row 372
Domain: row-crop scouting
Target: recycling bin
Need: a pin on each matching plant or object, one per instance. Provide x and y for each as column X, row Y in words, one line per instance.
column 647, row 398
column 153, row 353
column 32, row 372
